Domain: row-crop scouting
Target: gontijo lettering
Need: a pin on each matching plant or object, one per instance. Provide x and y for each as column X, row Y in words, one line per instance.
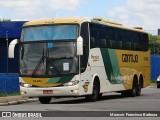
column 129, row 58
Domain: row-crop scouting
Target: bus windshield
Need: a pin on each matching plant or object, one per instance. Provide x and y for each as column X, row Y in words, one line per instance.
column 51, row 58
column 51, row 32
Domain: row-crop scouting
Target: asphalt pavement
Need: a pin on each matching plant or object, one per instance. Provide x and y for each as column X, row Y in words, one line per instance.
column 12, row 100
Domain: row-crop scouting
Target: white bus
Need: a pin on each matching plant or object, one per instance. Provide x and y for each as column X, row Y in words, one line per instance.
column 64, row 57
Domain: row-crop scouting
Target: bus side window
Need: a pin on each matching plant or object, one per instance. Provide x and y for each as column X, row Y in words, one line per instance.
column 103, row 43
column 136, row 46
column 108, row 42
column 83, row 60
column 85, row 36
column 94, row 35
column 128, row 45
column 119, row 46
column 112, row 35
column 135, row 40
column 144, row 42
column 128, row 40
column 92, row 42
column 113, row 44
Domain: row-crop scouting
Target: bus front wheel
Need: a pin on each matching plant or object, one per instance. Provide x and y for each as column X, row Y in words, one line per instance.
column 45, row 100
column 95, row 92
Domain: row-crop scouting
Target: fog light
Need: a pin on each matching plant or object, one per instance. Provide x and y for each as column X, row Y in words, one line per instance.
column 23, row 92
column 74, row 91
column 25, row 85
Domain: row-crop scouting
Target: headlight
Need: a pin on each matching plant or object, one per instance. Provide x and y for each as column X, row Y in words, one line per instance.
column 25, row 85
column 158, row 79
column 71, row 83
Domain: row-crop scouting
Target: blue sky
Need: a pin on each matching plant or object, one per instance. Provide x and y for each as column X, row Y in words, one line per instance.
column 97, row 8
column 144, row 13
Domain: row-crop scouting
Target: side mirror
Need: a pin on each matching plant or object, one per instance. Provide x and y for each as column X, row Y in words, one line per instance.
column 79, row 45
column 11, row 48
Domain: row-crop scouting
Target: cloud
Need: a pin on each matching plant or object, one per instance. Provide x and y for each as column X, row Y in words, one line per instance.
column 144, row 13
column 144, row 5
column 64, row 4
column 35, row 9
column 119, row 12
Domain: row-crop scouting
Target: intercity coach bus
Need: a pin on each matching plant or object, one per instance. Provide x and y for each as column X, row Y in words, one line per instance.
column 71, row 57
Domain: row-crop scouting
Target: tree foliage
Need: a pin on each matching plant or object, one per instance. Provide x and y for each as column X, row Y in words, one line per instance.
column 5, row 20
column 154, row 44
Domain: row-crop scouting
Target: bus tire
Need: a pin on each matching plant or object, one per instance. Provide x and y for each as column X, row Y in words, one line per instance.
column 158, row 84
column 133, row 91
column 100, row 95
column 125, row 93
column 95, row 93
column 138, row 90
column 45, row 100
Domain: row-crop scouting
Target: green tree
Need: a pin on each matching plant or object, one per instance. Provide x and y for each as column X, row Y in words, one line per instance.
column 5, row 20
column 154, row 44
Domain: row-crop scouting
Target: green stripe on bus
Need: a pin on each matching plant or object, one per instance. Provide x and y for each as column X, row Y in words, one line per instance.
column 63, row 79
column 111, row 65
column 107, row 62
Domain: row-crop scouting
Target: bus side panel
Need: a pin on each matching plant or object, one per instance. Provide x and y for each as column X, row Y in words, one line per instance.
column 134, row 63
column 117, row 68
column 104, row 65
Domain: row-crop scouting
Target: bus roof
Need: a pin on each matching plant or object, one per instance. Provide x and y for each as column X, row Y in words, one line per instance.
column 75, row 20
column 55, row 21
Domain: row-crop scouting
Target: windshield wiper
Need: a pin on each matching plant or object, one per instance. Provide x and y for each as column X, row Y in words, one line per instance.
column 39, row 64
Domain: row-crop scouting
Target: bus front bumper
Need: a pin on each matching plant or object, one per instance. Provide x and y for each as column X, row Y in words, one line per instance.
column 50, row 91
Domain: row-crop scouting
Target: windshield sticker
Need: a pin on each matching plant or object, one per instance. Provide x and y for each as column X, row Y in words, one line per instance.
column 50, row 45
column 65, row 66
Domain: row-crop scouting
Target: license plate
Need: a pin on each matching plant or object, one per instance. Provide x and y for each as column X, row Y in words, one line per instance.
column 47, row 91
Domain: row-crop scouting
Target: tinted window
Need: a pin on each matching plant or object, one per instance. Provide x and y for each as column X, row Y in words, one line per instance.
column 94, row 31
column 85, row 35
column 52, row 32
column 117, row 38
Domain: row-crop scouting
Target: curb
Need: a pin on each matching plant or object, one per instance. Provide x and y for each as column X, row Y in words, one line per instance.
column 19, row 101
